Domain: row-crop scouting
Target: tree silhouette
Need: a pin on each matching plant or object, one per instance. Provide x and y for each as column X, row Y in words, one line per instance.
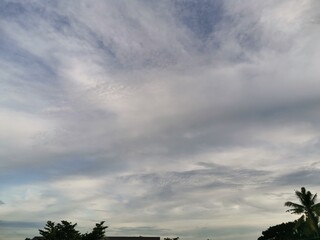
column 167, row 238
column 98, row 232
column 308, row 208
column 62, row 231
column 283, row 231
column 66, row 231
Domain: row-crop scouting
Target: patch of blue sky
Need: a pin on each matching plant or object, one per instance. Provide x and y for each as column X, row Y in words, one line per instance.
column 33, row 67
column 28, row 14
column 211, row 25
column 21, row 176
column 71, row 165
column 247, row 33
column 201, row 18
column 161, row 58
column 11, row 9
column 102, row 45
column 27, row 74
column 39, row 172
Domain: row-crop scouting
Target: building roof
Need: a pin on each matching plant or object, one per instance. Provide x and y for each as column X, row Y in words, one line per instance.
column 131, row 238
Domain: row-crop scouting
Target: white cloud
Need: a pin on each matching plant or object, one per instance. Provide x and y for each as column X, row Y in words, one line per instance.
column 21, row 131
column 123, row 111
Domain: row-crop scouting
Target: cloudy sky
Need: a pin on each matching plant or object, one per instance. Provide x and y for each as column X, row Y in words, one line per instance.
column 196, row 119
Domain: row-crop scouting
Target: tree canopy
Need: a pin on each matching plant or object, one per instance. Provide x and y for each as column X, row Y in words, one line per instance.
column 306, row 227
column 308, row 208
column 67, row 231
column 283, row 231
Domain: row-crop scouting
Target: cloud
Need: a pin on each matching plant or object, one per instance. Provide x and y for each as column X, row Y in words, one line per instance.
column 303, row 177
column 140, row 231
column 19, row 224
column 189, row 115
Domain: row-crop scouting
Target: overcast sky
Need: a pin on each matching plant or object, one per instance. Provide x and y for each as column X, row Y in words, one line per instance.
column 195, row 119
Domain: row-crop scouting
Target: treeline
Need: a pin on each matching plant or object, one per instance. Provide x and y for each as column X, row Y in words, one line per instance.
column 67, row 231
column 304, row 228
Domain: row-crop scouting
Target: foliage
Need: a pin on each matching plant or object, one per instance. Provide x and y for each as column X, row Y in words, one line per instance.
column 308, row 208
column 283, row 231
column 66, row 231
column 97, row 233
column 62, row 231
column 306, row 227
column 167, row 238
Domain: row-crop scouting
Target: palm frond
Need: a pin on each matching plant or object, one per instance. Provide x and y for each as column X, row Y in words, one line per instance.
column 292, row 204
column 295, row 208
column 316, row 208
column 314, row 199
column 308, row 208
column 301, row 196
column 295, row 211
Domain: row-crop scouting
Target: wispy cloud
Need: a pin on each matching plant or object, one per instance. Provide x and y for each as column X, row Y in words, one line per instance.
column 168, row 117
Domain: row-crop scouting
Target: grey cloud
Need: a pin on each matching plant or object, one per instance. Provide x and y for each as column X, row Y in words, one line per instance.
column 173, row 189
column 219, row 174
column 145, row 49
column 19, row 224
column 125, row 88
column 205, row 128
column 140, row 231
column 299, row 178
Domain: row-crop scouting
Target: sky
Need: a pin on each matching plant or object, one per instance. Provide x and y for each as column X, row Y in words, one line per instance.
column 185, row 118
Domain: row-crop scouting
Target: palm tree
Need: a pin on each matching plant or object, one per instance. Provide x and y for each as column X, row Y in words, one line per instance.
column 308, row 207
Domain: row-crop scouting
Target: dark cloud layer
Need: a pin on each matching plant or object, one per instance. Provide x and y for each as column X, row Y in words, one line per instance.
column 16, row 224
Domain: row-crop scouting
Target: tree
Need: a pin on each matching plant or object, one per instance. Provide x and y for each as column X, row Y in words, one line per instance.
column 66, row 231
column 62, row 231
column 309, row 209
column 98, row 232
column 283, row 231
column 50, row 231
column 167, row 238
